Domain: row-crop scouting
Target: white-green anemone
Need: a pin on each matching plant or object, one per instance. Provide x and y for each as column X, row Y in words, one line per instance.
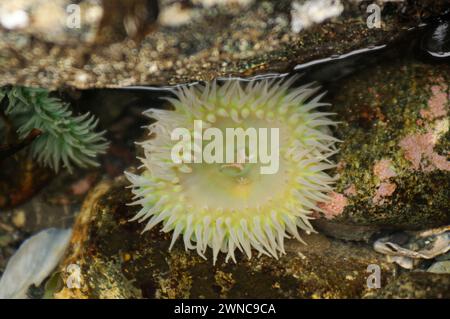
column 229, row 207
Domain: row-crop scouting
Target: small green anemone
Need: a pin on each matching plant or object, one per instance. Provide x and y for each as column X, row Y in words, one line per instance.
column 234, row 206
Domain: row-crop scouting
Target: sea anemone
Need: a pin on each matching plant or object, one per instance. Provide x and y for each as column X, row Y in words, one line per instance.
column 67, row 140
column 229, row 206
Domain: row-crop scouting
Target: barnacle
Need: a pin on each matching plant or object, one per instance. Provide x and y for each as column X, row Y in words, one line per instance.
column 66, row 140
column 233, row 206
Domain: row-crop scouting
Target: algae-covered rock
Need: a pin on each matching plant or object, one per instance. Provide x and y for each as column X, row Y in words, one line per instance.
column 393, row 163
column 116, row 260
column 414, row 285
column 118, row 43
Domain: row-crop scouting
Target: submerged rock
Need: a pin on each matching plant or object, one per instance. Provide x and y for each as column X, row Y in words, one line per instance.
column 414, row 285
column 393, row 163
column 437, row 44
column 440, row 267
column 116, row 260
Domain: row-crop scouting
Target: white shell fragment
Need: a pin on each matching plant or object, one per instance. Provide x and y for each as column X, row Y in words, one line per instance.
column 33, row 262
column 312, row 12
column 11, row 20
column 407, row 248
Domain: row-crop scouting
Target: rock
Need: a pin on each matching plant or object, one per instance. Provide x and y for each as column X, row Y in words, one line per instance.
column 414, row 285
column 88, row 22
column 440, row 267
column 244, row 38
column 341, row 230
column 19, row 218
column 438, row 43
column 392, row 165
column 116, row 260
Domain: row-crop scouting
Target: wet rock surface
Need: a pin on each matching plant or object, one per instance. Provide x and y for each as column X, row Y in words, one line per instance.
column 140, row 42
column 116, row 260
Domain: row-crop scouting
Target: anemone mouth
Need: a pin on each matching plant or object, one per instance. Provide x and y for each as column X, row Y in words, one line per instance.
column 229, row 206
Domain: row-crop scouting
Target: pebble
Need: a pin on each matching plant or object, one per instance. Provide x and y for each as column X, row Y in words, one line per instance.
column 19, row 218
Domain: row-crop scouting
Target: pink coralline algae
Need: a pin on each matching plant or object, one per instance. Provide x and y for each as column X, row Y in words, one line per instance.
column 385, row 189
column 383, row 169
column 418, row 149
column 351, row 190
column 437, row 104
column 335, row 206
column 440, row 162
column 341, row 165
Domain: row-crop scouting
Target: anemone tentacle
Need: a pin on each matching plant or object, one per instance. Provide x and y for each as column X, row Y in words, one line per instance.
column 209, row 205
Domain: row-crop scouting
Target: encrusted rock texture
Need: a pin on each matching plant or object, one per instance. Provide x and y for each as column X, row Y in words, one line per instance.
column 135, row 42
column 117, row 261
column 393, row 165
column 415, row 285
